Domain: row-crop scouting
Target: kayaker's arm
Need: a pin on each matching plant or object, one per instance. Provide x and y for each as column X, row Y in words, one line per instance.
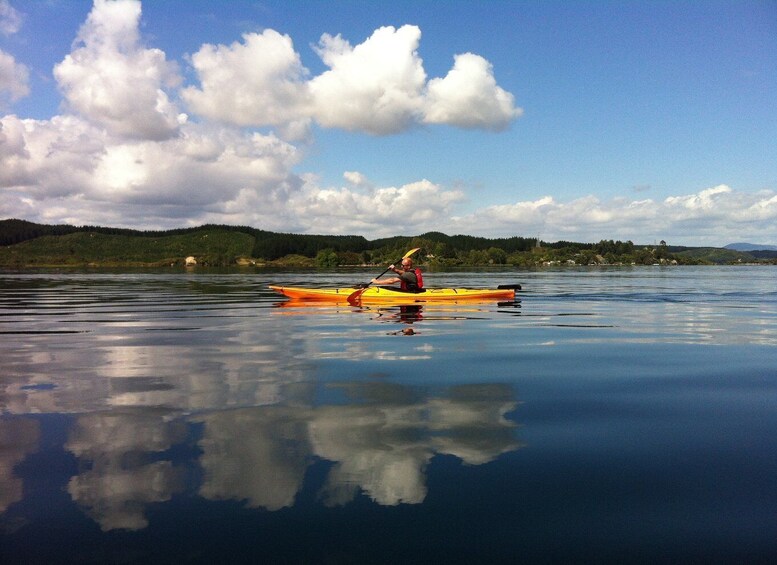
column 392, row 280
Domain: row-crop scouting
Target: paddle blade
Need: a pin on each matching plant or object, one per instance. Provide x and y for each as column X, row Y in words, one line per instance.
column 409, row 253
column 354, row 297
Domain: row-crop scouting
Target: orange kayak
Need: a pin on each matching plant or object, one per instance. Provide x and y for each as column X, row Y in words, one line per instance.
column 382, row 294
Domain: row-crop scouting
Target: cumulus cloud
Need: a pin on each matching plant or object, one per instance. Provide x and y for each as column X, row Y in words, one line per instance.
column 469, row 97
column 709, row 216
column 303, row 206
column 14, row 78
column 123, row 157
column 356, row 178
column 68, row 163
column 259, row 82
column 703, row 204
column 374, row 87
column 48, row 158
column 378, row 86
column 112, row 81
column 381, row 211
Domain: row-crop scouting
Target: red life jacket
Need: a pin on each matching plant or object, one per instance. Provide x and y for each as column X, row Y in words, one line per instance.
column 419, row 281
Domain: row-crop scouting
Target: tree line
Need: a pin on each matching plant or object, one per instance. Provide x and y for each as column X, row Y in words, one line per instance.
column 436, row 248
column 272, row 245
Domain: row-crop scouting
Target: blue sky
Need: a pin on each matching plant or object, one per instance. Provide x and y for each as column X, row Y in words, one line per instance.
column 568, row 120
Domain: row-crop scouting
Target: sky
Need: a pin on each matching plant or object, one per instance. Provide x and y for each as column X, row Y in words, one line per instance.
column 577, row 120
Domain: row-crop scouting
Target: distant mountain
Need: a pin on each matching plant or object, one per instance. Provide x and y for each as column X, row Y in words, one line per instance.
column 750, row 247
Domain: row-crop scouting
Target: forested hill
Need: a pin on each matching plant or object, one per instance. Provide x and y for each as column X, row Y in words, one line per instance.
column 27, row 244
column 266, row 245
column 270, row 245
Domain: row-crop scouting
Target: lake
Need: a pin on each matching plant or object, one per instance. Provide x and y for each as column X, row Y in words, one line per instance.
column 608, row 415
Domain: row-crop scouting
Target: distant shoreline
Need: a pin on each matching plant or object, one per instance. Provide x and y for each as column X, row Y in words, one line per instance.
column 25, row 245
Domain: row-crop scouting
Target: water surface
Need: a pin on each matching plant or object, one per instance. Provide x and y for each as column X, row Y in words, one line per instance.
column 608, row 415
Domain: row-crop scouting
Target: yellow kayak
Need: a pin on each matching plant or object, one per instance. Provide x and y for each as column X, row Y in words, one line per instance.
column 394, row 295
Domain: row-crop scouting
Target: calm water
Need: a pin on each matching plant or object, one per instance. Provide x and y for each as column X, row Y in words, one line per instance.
column 613, row 415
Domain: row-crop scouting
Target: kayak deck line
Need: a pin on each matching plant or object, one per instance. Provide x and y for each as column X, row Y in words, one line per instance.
column 391, row 294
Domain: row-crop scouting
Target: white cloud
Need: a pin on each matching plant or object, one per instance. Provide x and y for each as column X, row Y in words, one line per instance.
column 374, row 87
column 527, row 213
column 112, row 81
column 10, row 18
column 11, row 138
column 14, row 78
column 708, row 202
column 377, row 87
column 200, row 168
column 48, row 158
column 713, row 216
column 68, row 165
column 356, row 178
column 259, row 82
column 126, row 159
column 469, row 97
column 411, row 208
column 763, row 209
column 68, row 170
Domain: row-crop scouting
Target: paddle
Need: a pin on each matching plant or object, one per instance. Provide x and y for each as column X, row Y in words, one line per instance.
column 355, row 296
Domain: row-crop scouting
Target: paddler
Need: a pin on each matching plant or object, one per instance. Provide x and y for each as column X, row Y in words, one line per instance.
column 410, row 279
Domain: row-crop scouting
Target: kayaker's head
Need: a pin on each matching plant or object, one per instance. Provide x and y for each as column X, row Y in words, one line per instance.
column 407, row 263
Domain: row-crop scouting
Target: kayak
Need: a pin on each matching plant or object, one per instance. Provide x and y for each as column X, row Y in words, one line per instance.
column 395, row 295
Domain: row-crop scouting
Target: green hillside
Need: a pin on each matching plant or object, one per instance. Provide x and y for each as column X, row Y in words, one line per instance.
column 26, row 244
column 716, row 255
column 210, row 246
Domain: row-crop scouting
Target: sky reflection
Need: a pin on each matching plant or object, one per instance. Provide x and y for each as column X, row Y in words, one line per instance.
column 379, row 444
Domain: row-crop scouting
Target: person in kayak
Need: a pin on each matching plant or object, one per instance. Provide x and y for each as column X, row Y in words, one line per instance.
column 410, row 279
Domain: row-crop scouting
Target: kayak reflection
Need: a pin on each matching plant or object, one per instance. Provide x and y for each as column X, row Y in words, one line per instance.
column 403, row 314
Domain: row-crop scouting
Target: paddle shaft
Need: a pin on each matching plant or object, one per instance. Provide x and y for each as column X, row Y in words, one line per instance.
column 383, row 273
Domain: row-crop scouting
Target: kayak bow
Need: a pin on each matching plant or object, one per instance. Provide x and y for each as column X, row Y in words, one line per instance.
column 395, row 295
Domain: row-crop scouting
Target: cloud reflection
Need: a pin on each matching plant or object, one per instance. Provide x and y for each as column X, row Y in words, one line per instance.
column 19, row 437
column 122, row 478
column 256, row 455
column 383, row 447
column 379, row 443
